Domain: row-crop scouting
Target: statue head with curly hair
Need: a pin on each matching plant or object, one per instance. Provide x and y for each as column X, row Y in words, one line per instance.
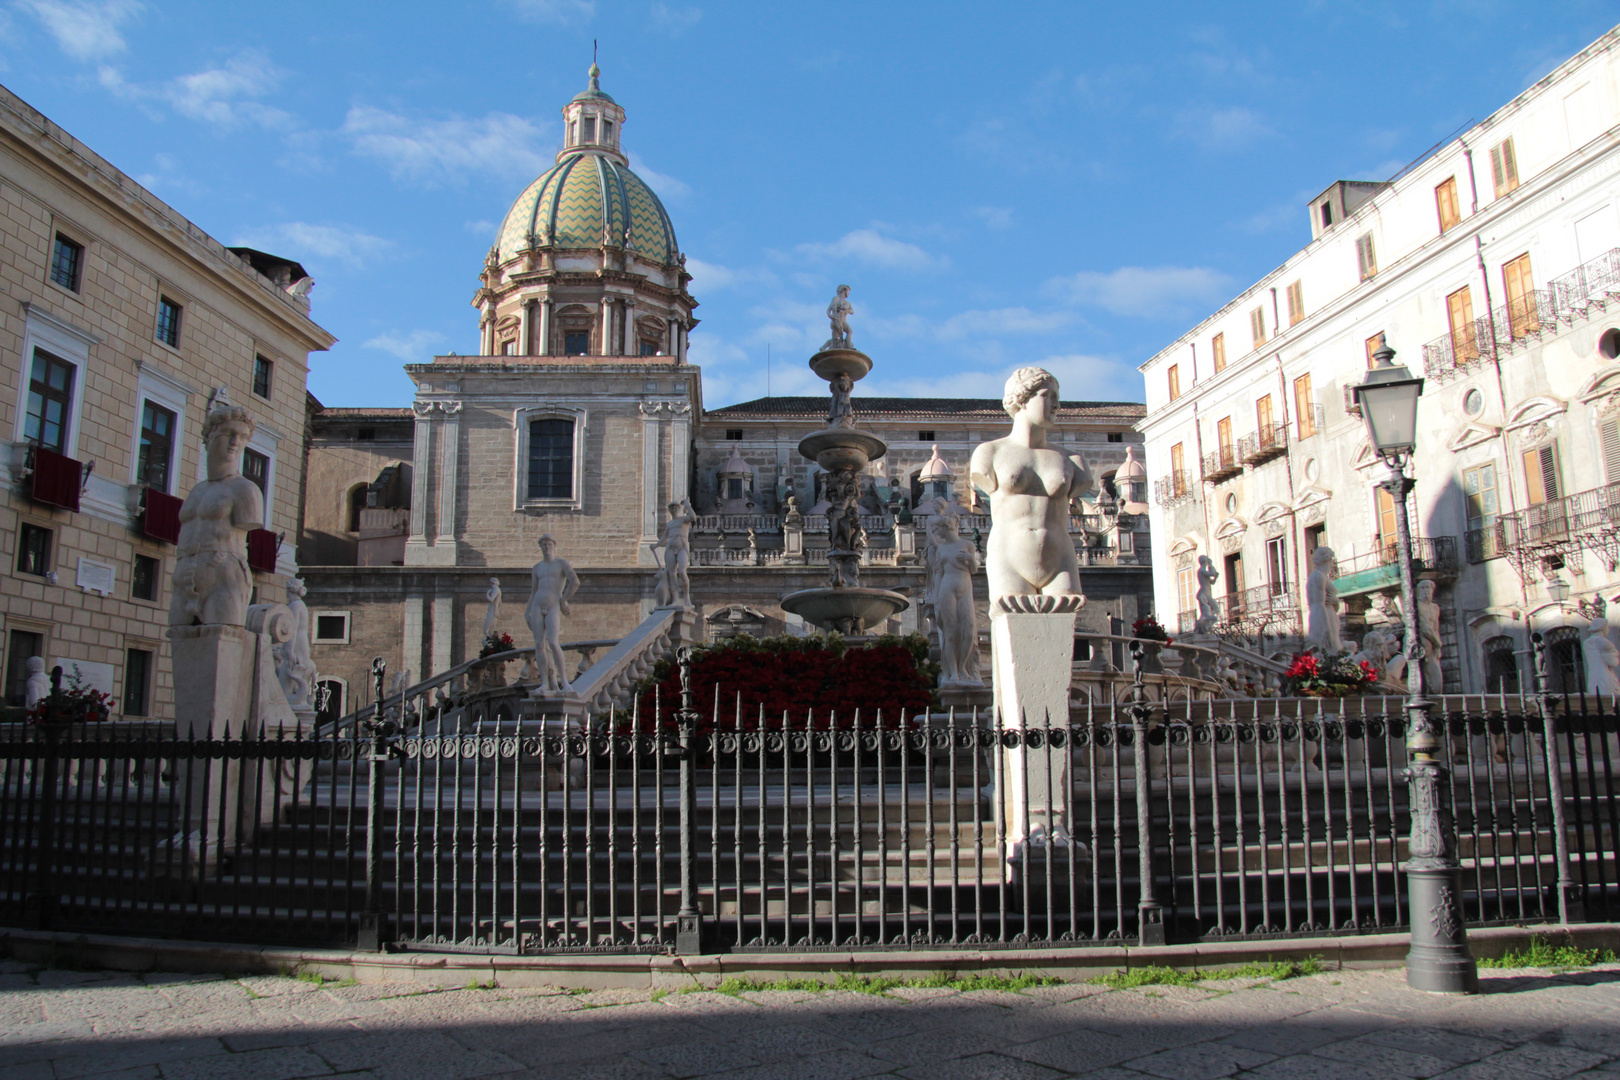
column 1024, row 384
column 226, row 432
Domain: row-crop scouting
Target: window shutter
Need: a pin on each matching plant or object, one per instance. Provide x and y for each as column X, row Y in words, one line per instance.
column 1535, row 490
column 1510, row 166
column 1611, row 450
column 1549, row 471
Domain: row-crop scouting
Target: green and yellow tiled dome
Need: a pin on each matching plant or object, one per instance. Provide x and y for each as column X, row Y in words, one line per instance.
column 583, row 199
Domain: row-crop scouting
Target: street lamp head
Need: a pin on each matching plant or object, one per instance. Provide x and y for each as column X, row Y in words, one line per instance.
column 1388, row 399
column 1557, row 589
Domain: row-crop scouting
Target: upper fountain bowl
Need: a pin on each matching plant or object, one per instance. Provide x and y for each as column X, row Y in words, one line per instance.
column 837, row 360
column 842, row 448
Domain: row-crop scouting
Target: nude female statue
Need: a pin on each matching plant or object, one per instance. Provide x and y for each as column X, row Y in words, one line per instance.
column 1032, row 488
column 1322, row 602
column 952, row 562
column 212, row 582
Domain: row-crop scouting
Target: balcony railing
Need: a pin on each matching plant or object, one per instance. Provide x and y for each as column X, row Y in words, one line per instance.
column 1174, row 489
column 1272, row 608
column 1493, row 539
column 1222, row 464
column 1265, row 444
column 1380, row 567
column 1537, row 314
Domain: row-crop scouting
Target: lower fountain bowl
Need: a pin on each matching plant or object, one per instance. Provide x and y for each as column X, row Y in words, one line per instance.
column 848, row 611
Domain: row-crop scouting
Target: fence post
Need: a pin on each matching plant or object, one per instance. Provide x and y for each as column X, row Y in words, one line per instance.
column 381, row 728
column 1149, row 912
column 40, row 905
column 1571, row 897
column 689, row 929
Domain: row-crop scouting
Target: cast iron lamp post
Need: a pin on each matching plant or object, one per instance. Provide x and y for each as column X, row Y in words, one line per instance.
column 1439, row 960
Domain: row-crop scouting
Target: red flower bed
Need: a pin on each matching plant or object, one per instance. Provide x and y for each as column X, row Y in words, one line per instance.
column 803, row 683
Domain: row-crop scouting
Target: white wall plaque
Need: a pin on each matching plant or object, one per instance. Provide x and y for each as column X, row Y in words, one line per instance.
column 97, row 577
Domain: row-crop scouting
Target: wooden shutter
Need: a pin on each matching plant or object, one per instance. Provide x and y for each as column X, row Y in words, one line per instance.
column 1504, row 167
column 1521, row 296
column 1302, row 407
column 1262, row 417
column 1541, row 474
column 1366, row 257
column 1217, row 348
column 1610, row 432
column 1460, row 314
column 1386, row 521
column 1175, row 381
column 1178, row 465
column 1296, row 302
column 1257, row 326
column 1445, row 202
column 1223, row 435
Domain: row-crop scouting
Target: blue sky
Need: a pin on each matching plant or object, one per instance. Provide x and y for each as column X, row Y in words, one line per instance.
column 1058, row 183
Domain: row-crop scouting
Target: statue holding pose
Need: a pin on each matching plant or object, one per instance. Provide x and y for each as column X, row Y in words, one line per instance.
column 841, row 414
column 1602, row 661
column 551, row 583
column 1322, row 603
column 952, row 562
column 212, row 582
column 674, row 586
column 38, row 686
column 1428, row 625
column 1208, row 613
column 294, row 669
column 1032, row 489
column 838, row 313
column 492, row 612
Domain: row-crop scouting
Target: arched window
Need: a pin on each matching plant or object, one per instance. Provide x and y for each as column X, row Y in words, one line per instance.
column 357, row 503
column 1566, row 668
column 1501, row 666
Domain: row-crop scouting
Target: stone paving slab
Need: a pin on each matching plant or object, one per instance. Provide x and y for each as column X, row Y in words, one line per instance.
column 1354, row 1024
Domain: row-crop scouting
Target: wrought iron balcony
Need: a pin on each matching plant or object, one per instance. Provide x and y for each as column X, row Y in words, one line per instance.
column 1272, row 608
column 1223, row 464
column 1538, row 314
column 1493, row 539
column 1265, row 444
column 1173, row 490
column 1380, row 567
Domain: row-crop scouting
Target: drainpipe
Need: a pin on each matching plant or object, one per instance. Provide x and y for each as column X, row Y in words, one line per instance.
column 1276, row 322
column 1282, row 391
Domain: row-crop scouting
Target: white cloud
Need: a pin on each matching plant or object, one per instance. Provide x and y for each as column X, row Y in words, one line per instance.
column 1148, row 292
column 1016, row 320
column 666, row 186
column 1221, row 129
column 675, row 20
column 871, row 248
column 301, row 240
column 448, row 151
column 711, row 277
column 221, row 95
column 415, row 347
column 554, row 11
column 85, row 29
column 995, row 217
column 481, row 228
column 1080, row 378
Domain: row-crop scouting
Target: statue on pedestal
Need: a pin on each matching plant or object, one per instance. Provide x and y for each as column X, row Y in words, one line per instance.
column 212, row 582
column 840, row 413
column 551, row 583
column 838, row 313
column 1322, row 603
column 674, row 586
column 38, row 686
column 294, row 668
column 1032, row 488
column 1208, row 613
column 492, row 612
column 1602, row 661
column 952, row 562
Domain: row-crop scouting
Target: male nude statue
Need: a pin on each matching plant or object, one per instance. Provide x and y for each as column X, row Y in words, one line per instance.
column 674, row 587
column 838, row 313
column 212, row 582
column 551, row 583
column 1031, row 489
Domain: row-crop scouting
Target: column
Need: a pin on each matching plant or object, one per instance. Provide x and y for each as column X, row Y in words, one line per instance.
column 444, row 614
column 543, row 346
column 649, row 480
column 525, row 320
column 449, row 485
column 410, row 652
column 628, row 336
column 605, row 337
column 680, row 344
column 421, row 462
column 680, row 454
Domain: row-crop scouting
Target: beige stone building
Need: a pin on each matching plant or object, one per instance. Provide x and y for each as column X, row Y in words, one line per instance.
column 583, row 421
column 120, row 321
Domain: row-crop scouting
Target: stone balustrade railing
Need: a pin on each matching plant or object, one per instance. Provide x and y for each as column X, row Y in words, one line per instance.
column 609, row 681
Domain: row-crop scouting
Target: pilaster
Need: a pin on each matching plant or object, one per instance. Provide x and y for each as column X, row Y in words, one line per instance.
column 680, row 456
column 421, row 461
column 411, row 646
column 543, row 346
column 444, row 613
column 650, row 440
column 449, row 472
column 525, row 325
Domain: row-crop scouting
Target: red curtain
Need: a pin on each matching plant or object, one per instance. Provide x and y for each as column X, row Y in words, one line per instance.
column 160, row 516
column 262, row 547
column 56, row 479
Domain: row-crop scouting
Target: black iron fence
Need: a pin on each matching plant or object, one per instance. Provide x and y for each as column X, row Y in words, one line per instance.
column 1147, row 821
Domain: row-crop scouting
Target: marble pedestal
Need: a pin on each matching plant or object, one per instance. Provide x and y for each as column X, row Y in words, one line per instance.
column 1032, row 651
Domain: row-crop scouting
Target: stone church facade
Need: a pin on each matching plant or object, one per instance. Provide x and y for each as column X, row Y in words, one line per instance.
column 583, row 420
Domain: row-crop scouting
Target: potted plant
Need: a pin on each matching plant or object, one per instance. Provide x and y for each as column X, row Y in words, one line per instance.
column 77, row 704
column 1334, row 675
column 1153, row 637
column 494, row 674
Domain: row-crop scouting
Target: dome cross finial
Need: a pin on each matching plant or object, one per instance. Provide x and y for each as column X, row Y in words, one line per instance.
column 595, row 72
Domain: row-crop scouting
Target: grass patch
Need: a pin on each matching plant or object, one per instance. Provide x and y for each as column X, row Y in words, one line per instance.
column 1157, row 975
column 1542, row 953
column 315, row 978
column 875, row 984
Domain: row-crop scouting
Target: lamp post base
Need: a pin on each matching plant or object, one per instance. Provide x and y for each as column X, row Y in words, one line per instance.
column 1439, row 961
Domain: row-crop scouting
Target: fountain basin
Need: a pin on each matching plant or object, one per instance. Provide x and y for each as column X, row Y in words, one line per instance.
column 842, row 448
column 845, row 610
column 829, row 363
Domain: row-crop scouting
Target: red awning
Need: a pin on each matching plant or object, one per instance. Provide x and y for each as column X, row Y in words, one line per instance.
column 262, row 548
column 56, row 479
column 160, row 516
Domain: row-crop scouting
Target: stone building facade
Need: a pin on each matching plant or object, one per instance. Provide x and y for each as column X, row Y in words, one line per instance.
column 120, row 322
column 583, row 421
column 1492, row 267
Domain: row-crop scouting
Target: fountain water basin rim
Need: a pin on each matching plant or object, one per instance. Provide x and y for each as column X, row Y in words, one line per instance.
column 825, row 608
column 840, row 360
column 842, row 448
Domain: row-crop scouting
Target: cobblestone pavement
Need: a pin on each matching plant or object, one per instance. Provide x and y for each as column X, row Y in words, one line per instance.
column 1351, row 1025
